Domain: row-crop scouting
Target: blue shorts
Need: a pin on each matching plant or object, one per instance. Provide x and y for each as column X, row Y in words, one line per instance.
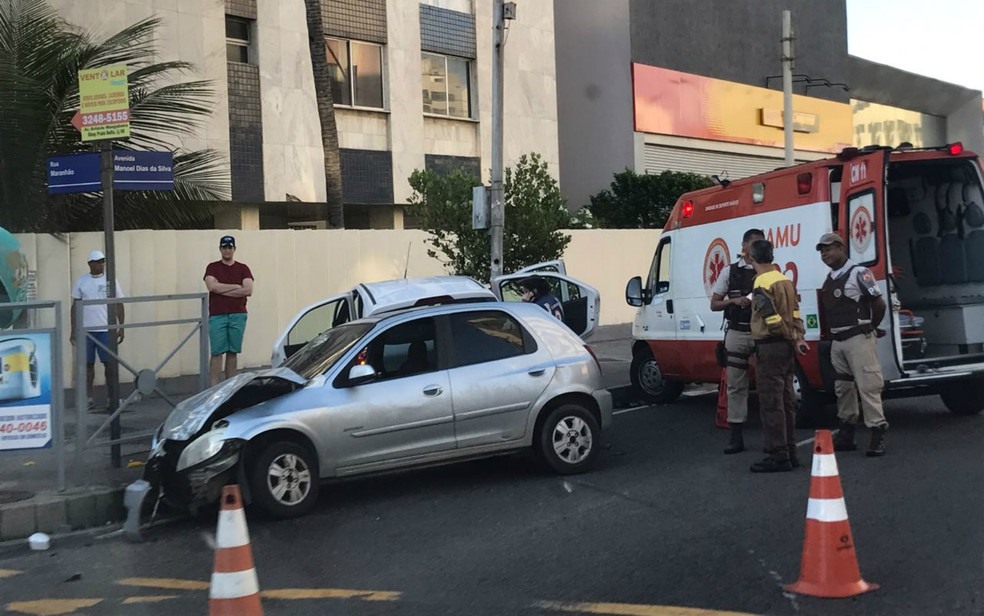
column 225, row 333
column 91, row 348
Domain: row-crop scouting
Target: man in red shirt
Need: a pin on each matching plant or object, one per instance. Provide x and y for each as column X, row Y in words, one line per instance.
column 229, row 283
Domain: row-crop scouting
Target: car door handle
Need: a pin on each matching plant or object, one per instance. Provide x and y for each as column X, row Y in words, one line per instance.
column 538, row 372
column 433, row 390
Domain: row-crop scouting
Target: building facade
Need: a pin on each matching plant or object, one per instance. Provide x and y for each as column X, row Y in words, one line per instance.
column 411, row 85
column 695, row 85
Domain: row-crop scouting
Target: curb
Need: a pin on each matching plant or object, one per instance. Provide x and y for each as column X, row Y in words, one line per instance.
column 59, row 513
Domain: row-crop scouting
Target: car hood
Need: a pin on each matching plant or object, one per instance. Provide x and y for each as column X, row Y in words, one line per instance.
column 190, row 414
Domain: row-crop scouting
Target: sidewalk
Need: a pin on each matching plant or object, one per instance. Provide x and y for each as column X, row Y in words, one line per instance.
column 30, row 501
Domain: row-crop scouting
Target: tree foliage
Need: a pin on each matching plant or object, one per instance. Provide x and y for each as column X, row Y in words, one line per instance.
column 535, row 213
column 40, row 56
column 641, row 201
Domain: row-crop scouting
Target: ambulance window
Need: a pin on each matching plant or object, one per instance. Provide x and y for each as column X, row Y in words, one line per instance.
column 662, row 266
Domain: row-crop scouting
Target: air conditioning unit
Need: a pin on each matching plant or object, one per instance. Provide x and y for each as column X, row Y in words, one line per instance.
column 303, row 226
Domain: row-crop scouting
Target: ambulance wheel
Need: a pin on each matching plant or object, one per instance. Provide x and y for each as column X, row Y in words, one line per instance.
column 648, row 381
column 811, row 409
column 966, row 399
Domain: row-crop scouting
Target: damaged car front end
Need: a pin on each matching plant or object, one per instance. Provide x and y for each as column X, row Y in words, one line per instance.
column 192, row 456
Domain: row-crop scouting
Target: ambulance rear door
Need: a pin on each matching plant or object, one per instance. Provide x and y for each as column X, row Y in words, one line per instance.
column 864, row 225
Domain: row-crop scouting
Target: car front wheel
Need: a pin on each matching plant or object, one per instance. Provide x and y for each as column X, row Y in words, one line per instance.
column 284, row 480
column 648, row 381
column 569, row 440
column 964, row 398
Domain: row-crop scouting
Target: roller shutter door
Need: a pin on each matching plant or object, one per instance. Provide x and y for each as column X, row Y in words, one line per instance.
column 659, row 158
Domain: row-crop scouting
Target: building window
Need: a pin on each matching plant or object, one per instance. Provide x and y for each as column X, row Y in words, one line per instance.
column 356, row 73
column 446, row 85
column 237, row 39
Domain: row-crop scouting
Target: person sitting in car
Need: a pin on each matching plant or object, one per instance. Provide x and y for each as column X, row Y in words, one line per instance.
column 537, row 291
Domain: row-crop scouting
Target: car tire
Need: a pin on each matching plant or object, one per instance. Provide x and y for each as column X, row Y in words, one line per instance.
column 964, row 399
column 648, row 382
column 284, row 480
column 569, row 440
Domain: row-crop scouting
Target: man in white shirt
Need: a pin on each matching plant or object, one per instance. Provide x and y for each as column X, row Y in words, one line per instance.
column 93, row 286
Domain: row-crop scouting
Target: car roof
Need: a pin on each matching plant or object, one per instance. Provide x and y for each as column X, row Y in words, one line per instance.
column 402, row 293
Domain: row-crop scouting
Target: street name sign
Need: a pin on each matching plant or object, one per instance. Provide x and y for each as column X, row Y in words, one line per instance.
column 74, row 173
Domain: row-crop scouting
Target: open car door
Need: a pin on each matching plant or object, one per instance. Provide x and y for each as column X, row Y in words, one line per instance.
column 581, row 302
column 308, row 324
column 556, row 267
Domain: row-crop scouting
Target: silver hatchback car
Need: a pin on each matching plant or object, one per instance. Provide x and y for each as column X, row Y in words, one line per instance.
column 410, row 388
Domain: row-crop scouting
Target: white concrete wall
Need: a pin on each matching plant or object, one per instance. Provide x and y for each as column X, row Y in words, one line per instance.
column 292, row 269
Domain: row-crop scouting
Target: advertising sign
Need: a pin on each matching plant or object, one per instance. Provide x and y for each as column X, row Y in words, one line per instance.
column 104, row 110
column 25, row 391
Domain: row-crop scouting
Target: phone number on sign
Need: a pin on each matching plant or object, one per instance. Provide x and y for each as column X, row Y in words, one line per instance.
column 24, row 426
column 112, row 117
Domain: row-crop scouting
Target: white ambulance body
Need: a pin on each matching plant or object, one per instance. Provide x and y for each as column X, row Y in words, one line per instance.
column 914, row 217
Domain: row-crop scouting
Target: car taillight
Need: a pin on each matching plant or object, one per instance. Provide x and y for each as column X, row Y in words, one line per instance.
column 593, row 356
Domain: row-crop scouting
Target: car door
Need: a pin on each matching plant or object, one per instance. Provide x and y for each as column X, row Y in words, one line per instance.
column 497, row 374
column 556, row 267
column 582, row 306
column 308, row 323
column 405, row 411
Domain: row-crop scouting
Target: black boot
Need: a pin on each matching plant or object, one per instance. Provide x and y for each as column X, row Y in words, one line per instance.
column 772, row 464
column 737, row 442
column 794, row 460
column 876, row 447
column 844, row 439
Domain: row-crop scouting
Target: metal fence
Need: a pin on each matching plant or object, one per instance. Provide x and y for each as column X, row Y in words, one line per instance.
column 145, row 379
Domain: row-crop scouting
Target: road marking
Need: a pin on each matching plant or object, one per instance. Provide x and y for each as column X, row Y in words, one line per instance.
column 150, row 599
column 6, row 573
column 51, row 607
column 330, row 593
column 165, row 583
column 632, row 609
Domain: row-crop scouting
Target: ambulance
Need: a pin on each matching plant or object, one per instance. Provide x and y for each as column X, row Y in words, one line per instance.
column 914, row 216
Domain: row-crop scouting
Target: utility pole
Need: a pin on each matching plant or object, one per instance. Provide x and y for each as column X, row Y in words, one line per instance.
column 787, row 85
column 497, row 213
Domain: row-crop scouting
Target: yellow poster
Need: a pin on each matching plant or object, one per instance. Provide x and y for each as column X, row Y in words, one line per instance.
column 104, row 103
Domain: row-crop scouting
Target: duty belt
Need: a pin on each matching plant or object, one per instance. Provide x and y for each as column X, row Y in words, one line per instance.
column 771, row 340
column 740, row 327
column 847, row 334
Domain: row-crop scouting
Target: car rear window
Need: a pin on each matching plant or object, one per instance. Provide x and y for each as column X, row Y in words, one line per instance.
column 489, row 335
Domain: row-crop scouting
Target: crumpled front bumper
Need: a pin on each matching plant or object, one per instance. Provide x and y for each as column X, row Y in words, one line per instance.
column 192, row 487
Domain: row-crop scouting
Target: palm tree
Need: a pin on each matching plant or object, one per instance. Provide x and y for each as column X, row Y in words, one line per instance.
column 40, row 56
column 326, row 113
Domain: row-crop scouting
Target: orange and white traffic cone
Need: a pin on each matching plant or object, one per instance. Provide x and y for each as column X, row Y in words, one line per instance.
column 829, row 567
column 234, row 590
column 721, row 416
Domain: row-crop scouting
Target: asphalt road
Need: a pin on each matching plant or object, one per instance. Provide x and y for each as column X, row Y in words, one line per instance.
column 666, row 520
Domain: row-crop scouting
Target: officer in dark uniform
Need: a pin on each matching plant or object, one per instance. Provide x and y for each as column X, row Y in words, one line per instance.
column 853, row 307
column 732, row 293
column 537, row 291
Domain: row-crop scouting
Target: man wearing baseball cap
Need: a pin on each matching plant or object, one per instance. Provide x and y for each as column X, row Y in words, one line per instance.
column 229, row 283
column 854, row 307
column 93, row 286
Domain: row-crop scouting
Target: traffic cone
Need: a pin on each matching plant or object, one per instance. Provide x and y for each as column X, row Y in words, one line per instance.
column 234, row 590
column 721, row 417
column 829, row 567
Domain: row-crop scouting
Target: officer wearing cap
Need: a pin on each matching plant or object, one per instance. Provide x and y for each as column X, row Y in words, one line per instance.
column 731, row 293
column 229, row 283
column 853, row 307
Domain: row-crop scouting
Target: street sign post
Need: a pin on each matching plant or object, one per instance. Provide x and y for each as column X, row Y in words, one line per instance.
column 104, row 104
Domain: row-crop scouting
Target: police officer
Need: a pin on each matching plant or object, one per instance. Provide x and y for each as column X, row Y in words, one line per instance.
column 778, row 332
column 853, row 307
column 537, row 291
column 732, row 293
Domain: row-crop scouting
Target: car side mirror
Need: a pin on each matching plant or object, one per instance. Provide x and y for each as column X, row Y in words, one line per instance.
column 360, row 374
column 634, row 293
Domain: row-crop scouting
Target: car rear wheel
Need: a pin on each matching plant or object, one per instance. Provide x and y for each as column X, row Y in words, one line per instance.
column 569, row 439
column 648, row 382
column 964, row 398
column 284, row 480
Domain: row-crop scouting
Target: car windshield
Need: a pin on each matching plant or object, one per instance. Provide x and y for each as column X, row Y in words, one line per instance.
column 319, row 355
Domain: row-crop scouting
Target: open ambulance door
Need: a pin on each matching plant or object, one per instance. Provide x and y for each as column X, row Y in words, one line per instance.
column 309, row 323
column 863, row 222
column 582, row 306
